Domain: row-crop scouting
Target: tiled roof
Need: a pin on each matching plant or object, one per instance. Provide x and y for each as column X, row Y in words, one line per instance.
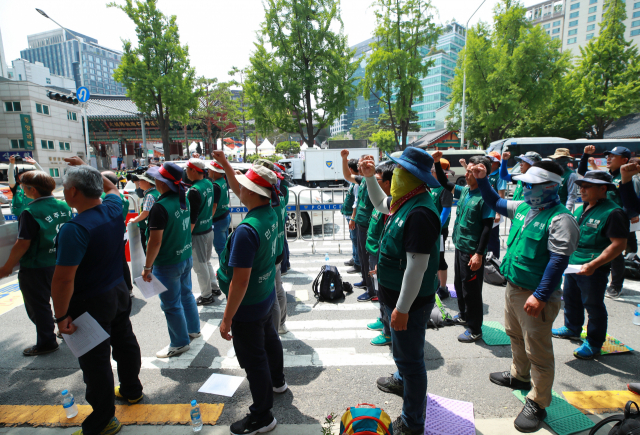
column 430, row 137
column 111, row 106
column 627, row 127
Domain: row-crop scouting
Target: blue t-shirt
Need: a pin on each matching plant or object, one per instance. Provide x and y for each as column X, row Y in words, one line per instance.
column 501, row 184
column 73, row 240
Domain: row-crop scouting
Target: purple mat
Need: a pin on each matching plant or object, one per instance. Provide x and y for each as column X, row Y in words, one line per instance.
column 448, row 417
column 452, row 290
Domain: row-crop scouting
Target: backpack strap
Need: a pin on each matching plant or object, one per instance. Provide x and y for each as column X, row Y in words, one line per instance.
column 604, row 422
column 314, row 286
column 627, row 410
column 367, row 417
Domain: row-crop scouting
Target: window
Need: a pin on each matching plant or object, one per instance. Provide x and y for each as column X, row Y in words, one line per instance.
column 92, row 77
column 591, row 19
column 72, row 116
column 636, row 5
column 48, row 81
column 590, row 27
column 555, row 37
column 593, row 9
column 546, row 26
column 574, row 6
column 47, row 144
column 589, row 36
column 42, row 108
column 571, row 41
column 636, row 14
column 556, row 31
column 104, row 61
column 12, row 106
column 635, row 32
column 573, row 23
column 635, row 23
column 54, row 172
column 574, row 14
column 572, row 32
column 592, row 2
column 91, row 58
column 17, row 143
column 64, row 146
column 556, row 23
column 110, row 64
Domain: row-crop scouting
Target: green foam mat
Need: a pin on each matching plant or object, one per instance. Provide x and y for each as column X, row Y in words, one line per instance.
column 562, row 417
column 493, row 334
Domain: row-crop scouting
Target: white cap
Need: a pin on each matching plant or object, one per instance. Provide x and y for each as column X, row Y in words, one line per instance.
column 537, row 175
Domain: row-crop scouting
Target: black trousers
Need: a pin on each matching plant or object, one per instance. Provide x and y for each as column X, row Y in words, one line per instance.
column 111, row 310
column 632, row 242
column 126, row 273
column 617, row 272
column 494, row 242
column 35, row 285
column 143, row 240
column 364, row 259
column 468, row 286
column 259, row 352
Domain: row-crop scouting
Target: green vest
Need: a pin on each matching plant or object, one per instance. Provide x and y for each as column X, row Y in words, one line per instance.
column 392, row 261
column 19, row 201
column 614, row 195
column 125, row 205
column 518, row 194
column 376, row 224
column 144, row 223
column 563, row 193
column 281, row 212
column 365, row 207
column 468, row 226
column 50, row 214
column 205, row 214
column 592, row 238
column 263, row 272
column 176, row 237
column 436, row 194
column 347, row 204
column 223, row 204
column 493, row 180
column 527, row 252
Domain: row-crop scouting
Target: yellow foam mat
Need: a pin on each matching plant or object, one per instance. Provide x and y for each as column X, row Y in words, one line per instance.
column 10, row 296
column 49, row 415
column 611, row 345
column 600, row 402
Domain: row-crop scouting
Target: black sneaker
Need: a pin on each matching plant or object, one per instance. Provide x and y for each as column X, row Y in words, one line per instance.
column 504, row 379
column 205, row 301
column 35, row 350
column 399, row 428
column 250, row 426
column 281, row 388
column 391, row 385
column 457, row 320
column 350, row 262
column 613, row 293
column 530, row 417
column 216, row 291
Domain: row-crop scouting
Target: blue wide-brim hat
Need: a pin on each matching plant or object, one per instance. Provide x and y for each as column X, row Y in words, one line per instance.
column 418, row 163
column 602, row 178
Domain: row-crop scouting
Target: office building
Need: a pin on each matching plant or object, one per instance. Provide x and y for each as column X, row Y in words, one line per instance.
column 58, row 50
column 4, row 72
column 575, row 22
column 22, row 69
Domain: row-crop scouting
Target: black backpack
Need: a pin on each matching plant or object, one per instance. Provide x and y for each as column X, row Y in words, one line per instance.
column 322, row 285
column 492, row 273
column 627, row 424
column 632, row 266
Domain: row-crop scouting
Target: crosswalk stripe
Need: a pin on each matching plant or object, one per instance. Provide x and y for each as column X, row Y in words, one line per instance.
column 305, row 308
column 295, row 325
column 346, row 334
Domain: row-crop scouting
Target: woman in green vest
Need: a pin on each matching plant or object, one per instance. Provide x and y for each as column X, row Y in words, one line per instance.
column 247, row 277
column 149, row 196
column 604, row 228
column 19, row 200
column 35, row 249
column 169, row 258
column 526, row 160
column 542, row 237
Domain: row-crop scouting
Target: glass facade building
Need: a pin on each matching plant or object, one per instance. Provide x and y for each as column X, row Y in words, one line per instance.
column 59, row 51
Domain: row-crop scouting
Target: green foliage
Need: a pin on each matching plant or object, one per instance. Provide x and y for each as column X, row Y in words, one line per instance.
column 157, row 73
column 288, row 147
column 363, row 128
column 300, row 77
column 385, row 140
column 511, row 72
column 404, row 32
column 253, row 157
column 606, row 81
column 241, row 115
column 342, row 136
column 218, row 112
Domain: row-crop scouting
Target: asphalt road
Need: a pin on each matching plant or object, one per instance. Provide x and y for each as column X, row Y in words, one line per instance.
column 330, row 364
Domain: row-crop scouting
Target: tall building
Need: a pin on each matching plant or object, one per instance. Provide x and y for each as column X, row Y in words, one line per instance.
column 58, row 50
column 4, row 72
column 39, row 74
column 575, row 22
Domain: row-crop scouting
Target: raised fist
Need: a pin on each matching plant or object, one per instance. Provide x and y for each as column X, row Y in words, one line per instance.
column 479, row 171
column 437, row 155
column 589, row 149
column 506, row 155
column 344, row 154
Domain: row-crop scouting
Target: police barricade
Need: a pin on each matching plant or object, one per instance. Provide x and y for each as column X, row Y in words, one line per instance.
column 318, row 221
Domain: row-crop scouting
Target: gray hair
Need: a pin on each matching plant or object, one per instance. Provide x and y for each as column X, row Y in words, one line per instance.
column 87, row 179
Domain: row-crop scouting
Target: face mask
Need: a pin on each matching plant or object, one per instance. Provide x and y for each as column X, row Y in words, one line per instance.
column 402, row 183
column 541, row 196
column 139, row 192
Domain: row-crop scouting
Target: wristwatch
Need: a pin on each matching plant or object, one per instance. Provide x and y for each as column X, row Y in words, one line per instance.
column 148, row 268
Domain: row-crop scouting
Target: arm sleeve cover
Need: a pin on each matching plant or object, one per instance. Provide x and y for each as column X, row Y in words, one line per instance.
column 629, row 198
column 442, row 177
column 11, row 173
column 487, row 226
column 412, row 280
column 552, row 276
column 446, row 211
column 504, row 172
column 491, row 197
column 377, row 196
column 584, row 164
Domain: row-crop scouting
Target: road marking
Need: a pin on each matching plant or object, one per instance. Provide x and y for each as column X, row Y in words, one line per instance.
column 10, row 297
column 307, row 308
column 302, row 295
column 347, row 334
column 299, row 325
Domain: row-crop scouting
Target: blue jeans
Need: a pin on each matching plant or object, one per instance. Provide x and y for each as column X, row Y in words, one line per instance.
column 220, row 233
column 177, row 302
column 408, row 354
column 586, row 292
column 353, row 235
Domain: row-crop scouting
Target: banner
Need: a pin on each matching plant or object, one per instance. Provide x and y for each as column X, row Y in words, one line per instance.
column 27, row 132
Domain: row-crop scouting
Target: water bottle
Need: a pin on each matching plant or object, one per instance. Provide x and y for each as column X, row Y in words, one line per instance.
column 196, row 418
column 69, row 404
column 636, row 316
column 326, row 257
column 333, row 289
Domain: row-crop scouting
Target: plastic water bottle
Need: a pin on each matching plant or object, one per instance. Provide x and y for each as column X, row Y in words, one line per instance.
column 69, row 404
column 326, row 257
column 636, row 316
column 333, row 288
column 196, row 417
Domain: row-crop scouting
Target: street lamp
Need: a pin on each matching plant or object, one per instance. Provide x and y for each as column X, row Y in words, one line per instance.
column 464, row 75
column 84, row 105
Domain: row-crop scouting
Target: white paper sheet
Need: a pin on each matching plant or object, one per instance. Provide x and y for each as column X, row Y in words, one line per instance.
column 150, row 289
column 496, row 224
column 222, row 385
column 135, row 249
column 573, row 268
column 634, row 227
column 88, row 335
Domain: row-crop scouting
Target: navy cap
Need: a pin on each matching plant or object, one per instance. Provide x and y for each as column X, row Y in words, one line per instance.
column 602, row 178
column 619, row 151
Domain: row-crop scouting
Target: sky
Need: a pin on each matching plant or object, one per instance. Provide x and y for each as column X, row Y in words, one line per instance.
column 220, row 33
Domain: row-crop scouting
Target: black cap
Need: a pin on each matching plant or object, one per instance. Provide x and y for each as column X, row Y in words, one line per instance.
column 602, row 178
column 620, row 151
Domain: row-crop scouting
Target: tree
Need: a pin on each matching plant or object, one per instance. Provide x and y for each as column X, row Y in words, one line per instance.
column 288, row 147
column 404, row 33
column 511, row 71
column 385, row 140
column 157, row 73
column 241, row 113
column 363, row 128
column 607, row 78
column 218, row 111
column 300, row 78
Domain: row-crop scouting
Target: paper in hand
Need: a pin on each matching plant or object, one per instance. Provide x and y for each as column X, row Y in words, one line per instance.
column 222, row 385
column 634, row 227
column 88, row 335
column 573, row 268
column 150, row 289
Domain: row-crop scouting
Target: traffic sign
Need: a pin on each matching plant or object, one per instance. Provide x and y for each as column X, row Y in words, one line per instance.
column 83, row 94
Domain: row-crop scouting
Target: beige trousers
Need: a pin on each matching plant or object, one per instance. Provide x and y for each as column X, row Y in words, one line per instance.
column 531, row 343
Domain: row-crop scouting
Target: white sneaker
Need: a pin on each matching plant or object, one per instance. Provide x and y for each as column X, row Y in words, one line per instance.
column 172, row 351
column 281, row 389
column 283, row 329
column 193, row 335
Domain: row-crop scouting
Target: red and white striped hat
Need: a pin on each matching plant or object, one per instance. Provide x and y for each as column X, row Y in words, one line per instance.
column 215, row 167
column 258, row 179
